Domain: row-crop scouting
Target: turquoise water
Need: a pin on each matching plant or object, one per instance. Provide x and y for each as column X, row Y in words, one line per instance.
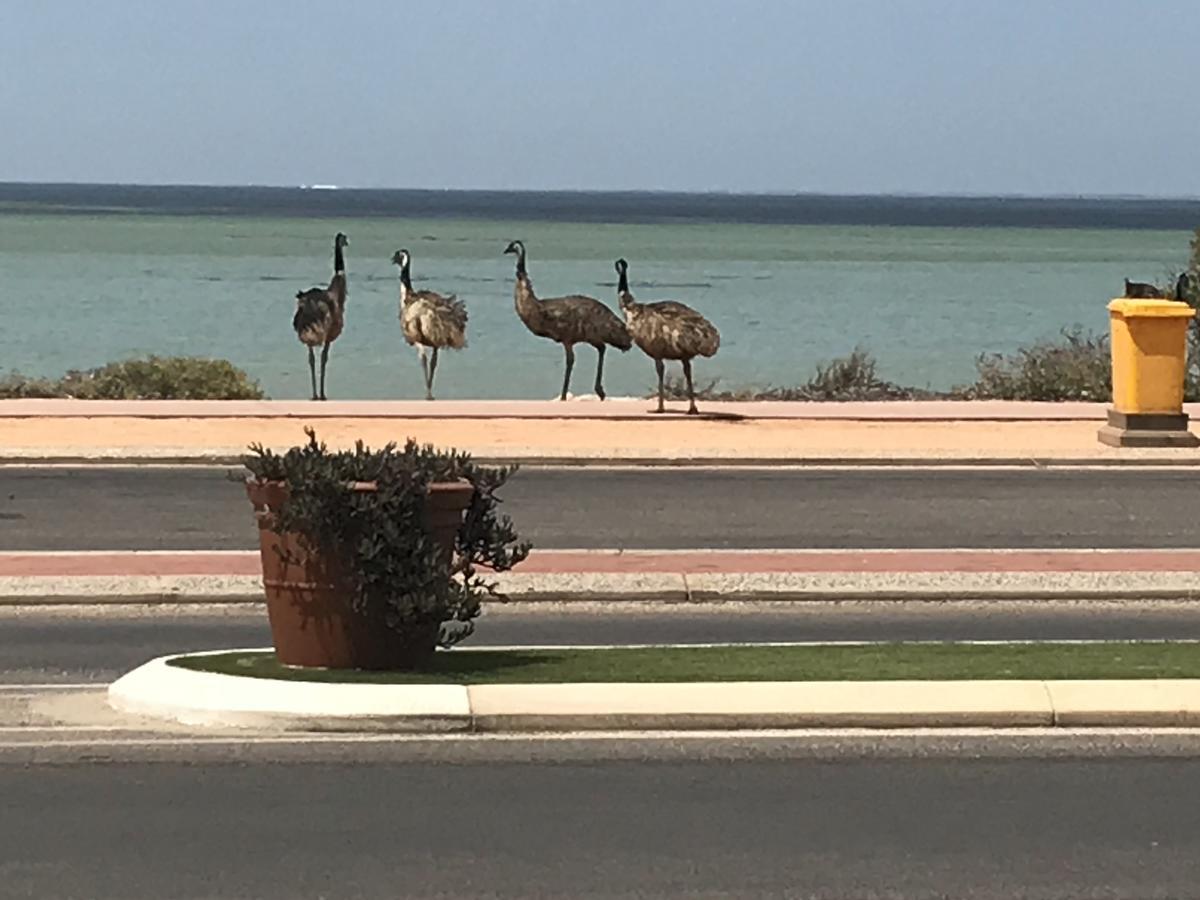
column 80, row 290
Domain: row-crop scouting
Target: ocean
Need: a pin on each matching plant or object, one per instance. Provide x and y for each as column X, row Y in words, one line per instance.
column 94, row 273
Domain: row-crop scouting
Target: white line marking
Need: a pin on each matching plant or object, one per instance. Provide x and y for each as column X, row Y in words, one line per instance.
column 921, row 643
column 605, row 737
column 54, row 686
column 508, row 648
column 46, row 729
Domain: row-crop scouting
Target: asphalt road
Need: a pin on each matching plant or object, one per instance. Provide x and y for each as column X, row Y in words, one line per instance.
column 98, row 644
column 863, row 829
column 90, row 508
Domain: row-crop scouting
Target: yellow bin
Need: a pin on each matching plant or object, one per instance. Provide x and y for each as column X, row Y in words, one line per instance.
column 1149, row 353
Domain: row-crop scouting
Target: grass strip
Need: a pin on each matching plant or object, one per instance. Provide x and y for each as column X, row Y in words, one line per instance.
column 922, row 661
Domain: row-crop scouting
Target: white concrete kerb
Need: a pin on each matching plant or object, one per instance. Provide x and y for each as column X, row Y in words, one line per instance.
column 163, row 691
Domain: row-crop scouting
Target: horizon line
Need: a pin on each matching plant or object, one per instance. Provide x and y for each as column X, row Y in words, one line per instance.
column 915, row 195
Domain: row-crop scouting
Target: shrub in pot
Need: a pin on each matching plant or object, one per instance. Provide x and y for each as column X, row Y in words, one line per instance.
column 371, row 558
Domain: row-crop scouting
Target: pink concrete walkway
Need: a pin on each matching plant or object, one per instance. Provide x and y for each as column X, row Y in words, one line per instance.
column 584, row 408
column 687, row 562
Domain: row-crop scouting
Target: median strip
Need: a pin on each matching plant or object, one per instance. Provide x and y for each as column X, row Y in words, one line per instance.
column 927, row 685
column 664, row 576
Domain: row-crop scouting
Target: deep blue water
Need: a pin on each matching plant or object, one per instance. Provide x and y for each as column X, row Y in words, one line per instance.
column 617, row 207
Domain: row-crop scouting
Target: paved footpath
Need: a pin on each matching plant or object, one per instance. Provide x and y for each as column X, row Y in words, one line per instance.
column 682, row 576
column 617, row 430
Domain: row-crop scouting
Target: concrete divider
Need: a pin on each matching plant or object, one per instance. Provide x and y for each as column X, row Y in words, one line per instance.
column 163, row 691
column 1150, row 703
column 759, row 704
column 159, row 690
column 649, row 587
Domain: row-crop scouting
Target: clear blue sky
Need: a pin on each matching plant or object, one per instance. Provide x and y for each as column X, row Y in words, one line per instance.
column 938, row 96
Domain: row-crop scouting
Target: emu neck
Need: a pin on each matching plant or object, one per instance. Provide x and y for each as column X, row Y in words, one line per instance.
column 625, row 298
column 528, row 307
column 337, row 288
column 339, row 264
column 405, row 283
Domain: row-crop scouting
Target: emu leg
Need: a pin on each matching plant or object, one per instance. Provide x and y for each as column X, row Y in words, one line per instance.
column 567, row 374
column 324, row 362
column 425, row 372
column 660, row 368
column 312, row 370
column 432, row 372
column 687, row 373
column 600, row 372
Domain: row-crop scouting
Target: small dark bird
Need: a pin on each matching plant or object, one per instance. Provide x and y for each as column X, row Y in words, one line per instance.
column 321, row 315
column 1183, row 288
column 1139, row 290
column 568, row 321
column 667, row 330
column 429, row 320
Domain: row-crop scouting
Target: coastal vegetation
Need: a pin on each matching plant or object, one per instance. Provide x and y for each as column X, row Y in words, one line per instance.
column 146, row 378
column 1077, row 365
column 1074, row 366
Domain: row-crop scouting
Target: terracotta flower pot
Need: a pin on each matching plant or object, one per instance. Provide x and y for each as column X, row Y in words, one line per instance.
column 309, row 596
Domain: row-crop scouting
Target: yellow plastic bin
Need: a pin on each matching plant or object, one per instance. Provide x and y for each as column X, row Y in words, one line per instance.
column 1149, row 357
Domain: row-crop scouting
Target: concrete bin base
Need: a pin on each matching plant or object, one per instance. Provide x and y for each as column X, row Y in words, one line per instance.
column 1147, row 430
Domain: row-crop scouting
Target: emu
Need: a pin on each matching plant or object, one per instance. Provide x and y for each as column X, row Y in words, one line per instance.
column 321, row 315
column 568, row 321
column 667, row 330
column 429, row 320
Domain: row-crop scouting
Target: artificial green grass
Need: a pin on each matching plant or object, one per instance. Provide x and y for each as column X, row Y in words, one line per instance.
column 868, row 662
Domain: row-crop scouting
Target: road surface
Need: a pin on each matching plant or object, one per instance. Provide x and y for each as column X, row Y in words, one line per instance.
column 93, row 508
column 98, row 644
column 968, row 829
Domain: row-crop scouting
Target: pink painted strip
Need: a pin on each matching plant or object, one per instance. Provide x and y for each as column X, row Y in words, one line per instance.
column 725, row 562
column 128, row 564
column 686, row 562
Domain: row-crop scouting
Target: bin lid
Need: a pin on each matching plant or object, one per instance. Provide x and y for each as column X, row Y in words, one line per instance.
column 1152, row 309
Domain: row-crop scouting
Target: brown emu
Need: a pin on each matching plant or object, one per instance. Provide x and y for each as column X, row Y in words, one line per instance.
column 667, row 330
column 429, row 320
column 568, row 321
column 321, row 315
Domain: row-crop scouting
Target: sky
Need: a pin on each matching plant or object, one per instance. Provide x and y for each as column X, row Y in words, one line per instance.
column 1037, row 97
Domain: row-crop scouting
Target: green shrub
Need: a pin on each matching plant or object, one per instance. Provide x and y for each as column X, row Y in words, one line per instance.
column 16, row 386
column 150, row 378
column 1078, row 367
column 853, row 377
